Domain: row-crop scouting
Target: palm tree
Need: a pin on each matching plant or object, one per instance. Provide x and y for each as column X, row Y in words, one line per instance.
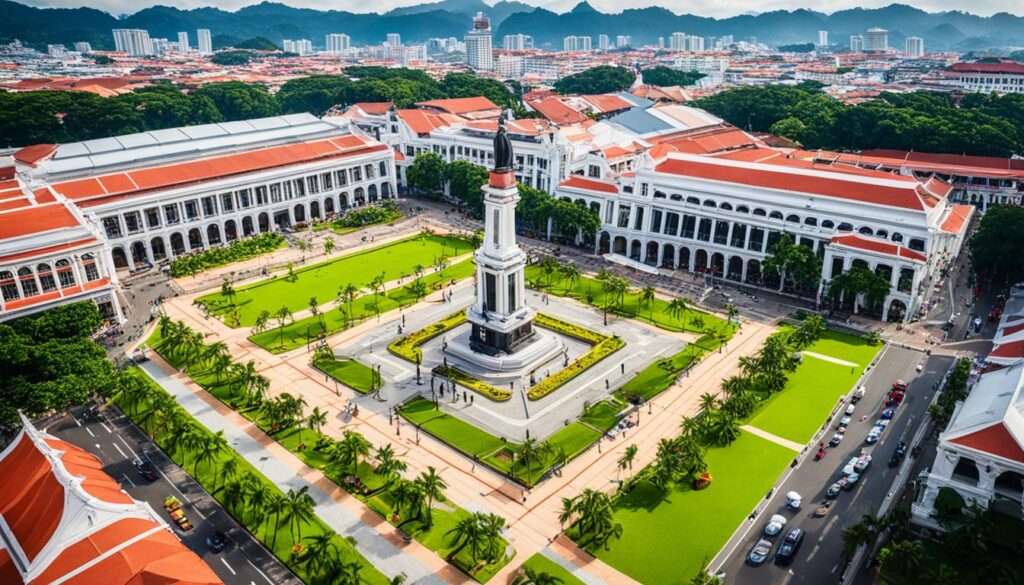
column 571, row 273
column 402, row 494
column 856, row 535
column 262, row 320
column 298, row 510
column 349, row 450
column 723, row 428
column 388, row 465
column 276, row 505
column 258, row 391
column 567, row 513
column 314, row 310
column 347, row 294
column 594, row 512
column 533, row 576
column 227, row 471
column 491, row 527
column 337, row 572
column 433, row 487
column 531, row 452
column 377, row 285
column 210, row 448
column 227, row 291
column 258, row 499
column 316, row 419
column 418, row 288
column 328, row 245
column 468, row 531
column 708, row 403
column 233, row 494
column 676, row 308
column 283, row 315
column 418, row 271
column 321, row 547
column 548, row 267
column 647, row 299
column 626, row 461
column 906, row 555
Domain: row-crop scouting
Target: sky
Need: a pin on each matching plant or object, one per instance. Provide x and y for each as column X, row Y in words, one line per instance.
column 715, row 8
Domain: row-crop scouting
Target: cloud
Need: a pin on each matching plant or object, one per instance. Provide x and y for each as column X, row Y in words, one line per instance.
column 716, row 8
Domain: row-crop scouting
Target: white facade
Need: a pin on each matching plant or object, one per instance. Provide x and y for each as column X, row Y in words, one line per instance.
column 603, row 43
column 134, row 42
column 479, row 52
column 856, row 43
column 979, row 454
column 298, row 46
column 915, row 47
column 517, row 42
column 822, row 38
column 337, row 43
column 695, row 44
column 394, row 40
column 622, row 41
column 204, row 41
column 83, row 47
column 701, row 64
column 876, row 40
column 988, row 77
column 677, row 42
column 577, row 43
column 183, row 44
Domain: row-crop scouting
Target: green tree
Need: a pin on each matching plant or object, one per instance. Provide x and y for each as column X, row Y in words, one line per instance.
column 600, row 79
column 388, row 464
column 668, row 77
column 237, row 100
column 298, row 510
column 350, row 450
column 315, row 94
column 993, row 246
column 432, row 487
column 628, row 455
column 426, row 173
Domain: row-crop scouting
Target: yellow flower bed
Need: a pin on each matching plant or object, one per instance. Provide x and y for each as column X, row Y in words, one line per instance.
column 597, row 353
column 408, row 347
column 463, row 379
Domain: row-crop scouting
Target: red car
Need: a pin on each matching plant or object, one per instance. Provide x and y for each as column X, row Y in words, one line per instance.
column 899, row 385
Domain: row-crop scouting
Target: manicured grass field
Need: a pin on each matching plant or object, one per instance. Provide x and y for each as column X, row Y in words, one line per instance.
column 662, row 373
column 800, row 409
column 209, row 474
column 666, row 537
column 655, row 313
column 572, row 440
column 604, row 415
column 321, row 281
column 542, row 564
column 297, row 333
column 351, row 373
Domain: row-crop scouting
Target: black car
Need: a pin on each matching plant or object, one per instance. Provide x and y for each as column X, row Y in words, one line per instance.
column 145, row 469
column 217, row 541
column 789, row 547
column 898, row 454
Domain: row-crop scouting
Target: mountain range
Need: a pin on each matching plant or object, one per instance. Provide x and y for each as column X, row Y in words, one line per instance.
column 452, row 18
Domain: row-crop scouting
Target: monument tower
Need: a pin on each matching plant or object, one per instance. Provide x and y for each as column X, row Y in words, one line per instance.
column 501, row 319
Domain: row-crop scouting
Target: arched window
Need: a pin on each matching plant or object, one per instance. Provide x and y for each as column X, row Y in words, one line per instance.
column 775, row 215
column 828, row 224
column 64, row 273
column 8, row 287
column 793, row 218
column 866, row 231
column 693, row 200
column 725, row 206
column 845, row 227
column 810, row 221
column 28, row 281
column 897, row 237
column 709, row 203
column 675, row 197
column 89, row 263
column 760, row 212
column 659, row 195
column 881, row 234
column 742, row 209
column 916, row 244
column 383, row 168
column 46, row 281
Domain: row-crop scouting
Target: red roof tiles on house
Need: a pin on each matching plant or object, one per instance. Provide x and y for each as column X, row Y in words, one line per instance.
column 1001, row 67
column 1012, row 350
column 819, row 183
column 995, row 440
column 374, row 108
column 957, row 218
column 553, row 109
column 460, row 105
column 607, row 103
column 876, row 245
column 578, row 182
column 34, row 219
column 30, row 155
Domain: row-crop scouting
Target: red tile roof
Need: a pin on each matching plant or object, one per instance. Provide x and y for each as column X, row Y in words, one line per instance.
column 876, row 245
column 34, row 219
column 1010, row 330
column 423, row 121
column 553, row 109
column 608, row 103
column 374, row 108
column 1001, row 67
column 946, row 163
column 1013, row 350
column 578, row 182
column 32, row 505
column 48, row 250
column 957, row 218
column 818, row 183
column 995, row 440
column 460, row 105
column 93, row 191
column 30, row 155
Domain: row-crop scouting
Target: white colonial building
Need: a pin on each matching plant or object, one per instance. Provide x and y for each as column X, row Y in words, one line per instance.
column 981, row 453
column 116, row 203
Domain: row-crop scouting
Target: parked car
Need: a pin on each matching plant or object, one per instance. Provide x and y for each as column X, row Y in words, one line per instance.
column 794, row 500
column 217, row 541
column 858, row 394
column 836, row 439
column 145, row 469
column 888, row 413
column 844, row 422
column 789, row 547
column 899, row 385
column 759, row 553
column 977, row 324
column 849, row 481
column 774, row 525
column 874, row 434
column 850, row 409
column 833, row 491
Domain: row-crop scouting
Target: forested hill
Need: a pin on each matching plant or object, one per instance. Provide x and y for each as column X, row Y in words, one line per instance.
column 451, row 18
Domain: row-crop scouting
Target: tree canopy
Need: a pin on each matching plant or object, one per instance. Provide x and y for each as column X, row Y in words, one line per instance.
column 600, row 79
column 985, row 125
column 667, row 77
column 258, row 44
column 996, row 245
column 231, row 58
column 50, row 362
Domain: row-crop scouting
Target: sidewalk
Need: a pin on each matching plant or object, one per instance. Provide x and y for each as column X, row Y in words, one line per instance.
column 378, row 550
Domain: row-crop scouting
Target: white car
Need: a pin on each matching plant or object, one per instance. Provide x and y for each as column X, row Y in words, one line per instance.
column 857, row 464
column 874, row 434
column 775, row 525
column 794, row 500
column 850, row 409
column 844, row 422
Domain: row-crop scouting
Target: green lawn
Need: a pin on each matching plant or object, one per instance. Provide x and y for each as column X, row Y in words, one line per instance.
column 654, row 313
column 491, row 451
column 667, row 537
column 297, row 333
column 662, row 373
column 321, row 281
column 209, row 475
column 800, row 409
column 303, row 443
column 351, row 373
column 542, row 564
column 604, row 415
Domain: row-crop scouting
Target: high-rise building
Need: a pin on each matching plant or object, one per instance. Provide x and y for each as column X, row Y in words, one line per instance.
column 677, row 42
column 298, row 46
column 822, row 38
column 517, row 42
column 183, row 45
column 479, row 52
column 205, row 41
column 160, row 47
column 337, row 42
column 56, row 51
column 661, row 42
column 134, row 42
column 603, row 43
column 577, row 43
column 623, row 41
column 694, row 44
column 915, row 47
column 876, row 40
column 856, row 43
column 83, row 47
column 394, row 40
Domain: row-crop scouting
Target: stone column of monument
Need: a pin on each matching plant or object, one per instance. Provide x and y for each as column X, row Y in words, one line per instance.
column 500, row 318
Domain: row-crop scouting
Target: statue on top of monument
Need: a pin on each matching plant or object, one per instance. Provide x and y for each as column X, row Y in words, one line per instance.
column 502, row 148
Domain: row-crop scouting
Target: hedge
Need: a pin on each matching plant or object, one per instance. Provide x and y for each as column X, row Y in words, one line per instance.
column 234, row 252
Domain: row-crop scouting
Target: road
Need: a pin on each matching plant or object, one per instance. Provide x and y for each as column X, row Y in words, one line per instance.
column 819, row 560
column 117, row 442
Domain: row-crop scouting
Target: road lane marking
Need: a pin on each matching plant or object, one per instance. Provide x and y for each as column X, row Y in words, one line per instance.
column 130, row 448
column 228, row 566
column 200, row 514
column 74, row 418
column 119, row 450
column 257, row 569
column 128, row 480
column 91, row 434
column 106, row 428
